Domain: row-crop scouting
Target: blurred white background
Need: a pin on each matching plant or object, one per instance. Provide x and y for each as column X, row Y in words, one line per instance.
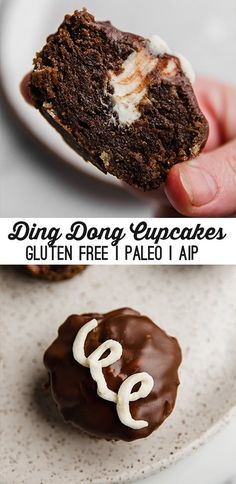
column 33, row 182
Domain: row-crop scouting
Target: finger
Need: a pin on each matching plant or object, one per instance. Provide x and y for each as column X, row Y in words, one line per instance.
column 217, row 101
column 24, row 89
column 206, row 186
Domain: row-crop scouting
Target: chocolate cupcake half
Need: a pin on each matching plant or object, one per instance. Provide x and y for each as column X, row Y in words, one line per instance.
column 123, row 102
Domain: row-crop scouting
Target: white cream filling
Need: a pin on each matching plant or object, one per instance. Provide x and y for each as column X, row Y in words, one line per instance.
column 130, row 86
column 157, row 46
column 170, row 69
column 186, row 67
column 96, row 363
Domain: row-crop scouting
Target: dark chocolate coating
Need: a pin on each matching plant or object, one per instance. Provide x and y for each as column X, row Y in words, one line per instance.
column 70, row 86
column 146, row 348
column 53, row 273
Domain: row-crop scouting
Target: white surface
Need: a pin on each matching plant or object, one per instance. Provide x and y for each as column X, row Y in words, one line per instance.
column 203, row 30
column 214, row 463
column 201, row 315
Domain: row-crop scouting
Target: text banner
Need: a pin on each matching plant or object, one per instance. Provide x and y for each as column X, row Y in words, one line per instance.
column 117, row 241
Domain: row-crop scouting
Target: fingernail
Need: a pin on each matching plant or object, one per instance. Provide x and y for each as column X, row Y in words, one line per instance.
column 198, row 184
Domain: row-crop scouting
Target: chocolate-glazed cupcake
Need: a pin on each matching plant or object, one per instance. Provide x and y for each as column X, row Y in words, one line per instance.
column 53, row 273
column 123, row 102
column 114, row 375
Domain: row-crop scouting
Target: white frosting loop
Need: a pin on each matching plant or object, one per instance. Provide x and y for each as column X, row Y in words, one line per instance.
column 125, row 395
column 79, row 342
column 96, row 363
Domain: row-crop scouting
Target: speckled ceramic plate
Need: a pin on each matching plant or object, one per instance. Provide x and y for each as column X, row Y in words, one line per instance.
column 26, row 24
column 197, row 305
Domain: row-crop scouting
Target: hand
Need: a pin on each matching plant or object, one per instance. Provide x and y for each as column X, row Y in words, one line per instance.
column 206, row 186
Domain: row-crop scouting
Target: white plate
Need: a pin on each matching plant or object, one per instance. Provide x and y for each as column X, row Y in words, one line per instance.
column 195, row 304
column 207, row 36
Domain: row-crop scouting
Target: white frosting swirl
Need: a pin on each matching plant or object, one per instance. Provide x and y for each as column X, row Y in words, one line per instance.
column 79, row 342
column 95, row 363
column 125, row 395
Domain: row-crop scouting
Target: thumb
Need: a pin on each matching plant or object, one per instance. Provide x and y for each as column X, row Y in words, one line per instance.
column 205, row 186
